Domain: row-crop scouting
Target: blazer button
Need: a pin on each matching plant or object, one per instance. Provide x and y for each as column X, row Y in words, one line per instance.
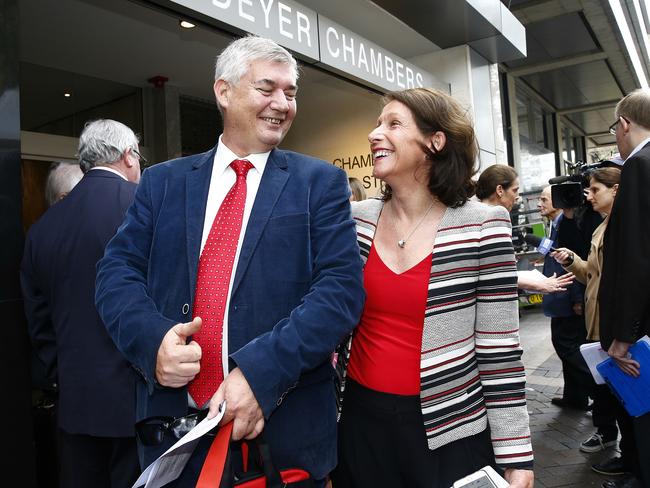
column 589, row 275
column 186, row 309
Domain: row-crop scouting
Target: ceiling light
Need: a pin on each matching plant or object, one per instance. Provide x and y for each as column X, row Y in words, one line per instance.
column 187, row 25
column 67, row 94
column 624, row 28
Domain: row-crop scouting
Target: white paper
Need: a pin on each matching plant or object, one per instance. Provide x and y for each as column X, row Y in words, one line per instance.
column 594, row 355
column 169, row 465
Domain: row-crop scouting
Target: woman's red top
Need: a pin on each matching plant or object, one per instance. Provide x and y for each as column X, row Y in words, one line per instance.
column 385, row 354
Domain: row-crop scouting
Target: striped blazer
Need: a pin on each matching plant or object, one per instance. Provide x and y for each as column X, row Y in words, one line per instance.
column 471, row 374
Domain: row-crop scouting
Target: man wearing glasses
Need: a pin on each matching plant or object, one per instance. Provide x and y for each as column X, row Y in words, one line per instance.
column 96, row 385
column 623, row 298
column 235, row 276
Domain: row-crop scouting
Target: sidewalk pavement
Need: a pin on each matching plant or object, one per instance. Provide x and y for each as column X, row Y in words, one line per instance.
column 557, row 433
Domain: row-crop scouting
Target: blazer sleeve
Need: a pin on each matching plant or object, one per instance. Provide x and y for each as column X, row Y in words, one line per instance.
column 579, row 268
column 274, row 361
column 626, row 249
column 498, row 348
column 39, row 318
column 130, row 315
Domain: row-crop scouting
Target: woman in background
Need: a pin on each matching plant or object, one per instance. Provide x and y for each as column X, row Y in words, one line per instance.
column 499, row 185
column 356, row 190
column 434, row 388
column 601, row 193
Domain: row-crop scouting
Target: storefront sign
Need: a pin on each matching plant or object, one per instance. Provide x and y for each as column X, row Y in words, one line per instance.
column 352, row 54
column 303, row 31
column 286, row 22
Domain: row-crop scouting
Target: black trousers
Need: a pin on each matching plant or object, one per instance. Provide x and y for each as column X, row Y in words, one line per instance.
column 635, row 443
column 382, row 444
column 567, row 335
column 97, row 462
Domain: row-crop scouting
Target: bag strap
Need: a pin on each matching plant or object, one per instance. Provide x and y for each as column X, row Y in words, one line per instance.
column 213, row 467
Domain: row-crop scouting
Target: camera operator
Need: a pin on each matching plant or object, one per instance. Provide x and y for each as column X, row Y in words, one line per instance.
column 568, row 332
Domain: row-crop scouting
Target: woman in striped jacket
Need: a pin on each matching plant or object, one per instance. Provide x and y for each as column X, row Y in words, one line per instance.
column 433, row 382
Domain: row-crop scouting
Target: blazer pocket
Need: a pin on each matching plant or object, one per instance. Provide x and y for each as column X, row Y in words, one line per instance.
column 286, row 243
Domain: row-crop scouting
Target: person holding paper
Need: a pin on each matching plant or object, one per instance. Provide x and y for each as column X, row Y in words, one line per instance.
column 499, row 185
column 624, row 311
column 235, row 275
column 435, row 387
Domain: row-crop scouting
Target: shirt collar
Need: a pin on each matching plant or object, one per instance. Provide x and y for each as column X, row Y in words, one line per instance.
column 106, row 168
column 224, row 156
column 638, row 148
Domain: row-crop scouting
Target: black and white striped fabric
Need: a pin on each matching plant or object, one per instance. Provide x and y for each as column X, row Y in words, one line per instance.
column 471, row 373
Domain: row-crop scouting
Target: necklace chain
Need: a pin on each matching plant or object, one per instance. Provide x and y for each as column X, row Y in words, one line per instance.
column 402, row 242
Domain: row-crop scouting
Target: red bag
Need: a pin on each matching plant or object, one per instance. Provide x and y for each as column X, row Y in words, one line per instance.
column 217, row 469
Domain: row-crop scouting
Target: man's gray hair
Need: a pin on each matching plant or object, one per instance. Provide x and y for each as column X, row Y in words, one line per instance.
column 61, row 179
column 234, row 61
column 103, row 142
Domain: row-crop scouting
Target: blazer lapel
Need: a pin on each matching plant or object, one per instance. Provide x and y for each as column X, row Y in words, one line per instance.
column 197, row 185
column 273, row 181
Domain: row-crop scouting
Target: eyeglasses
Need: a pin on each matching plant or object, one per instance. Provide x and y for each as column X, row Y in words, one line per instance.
column 612, row 128
column 152, row 431
column 142, row 159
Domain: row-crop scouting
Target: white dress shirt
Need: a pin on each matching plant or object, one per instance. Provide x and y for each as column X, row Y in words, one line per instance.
column 106, row 168
column 221, row 181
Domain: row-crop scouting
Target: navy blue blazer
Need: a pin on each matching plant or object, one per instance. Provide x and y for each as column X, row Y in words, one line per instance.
column 560, row 304
column 96, row 383
column 297, row 292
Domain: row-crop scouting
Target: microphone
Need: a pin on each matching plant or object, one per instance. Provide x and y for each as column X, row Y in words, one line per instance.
column 558, row 179
column 543, row 245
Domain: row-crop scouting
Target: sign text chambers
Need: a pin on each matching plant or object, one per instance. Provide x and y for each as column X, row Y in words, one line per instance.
column 303, row 31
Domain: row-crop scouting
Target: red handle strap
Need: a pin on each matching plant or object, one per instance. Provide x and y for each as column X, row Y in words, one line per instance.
column 212, row 470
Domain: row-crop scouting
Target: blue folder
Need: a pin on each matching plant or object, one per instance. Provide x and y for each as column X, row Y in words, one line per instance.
column 633, row 393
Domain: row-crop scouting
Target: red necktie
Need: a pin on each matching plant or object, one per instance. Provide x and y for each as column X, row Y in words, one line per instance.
column 212, row 282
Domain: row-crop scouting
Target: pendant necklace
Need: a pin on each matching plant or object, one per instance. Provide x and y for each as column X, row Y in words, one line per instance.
column 402, row 242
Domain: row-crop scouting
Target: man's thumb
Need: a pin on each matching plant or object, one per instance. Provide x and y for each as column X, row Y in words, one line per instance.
column 188, row 328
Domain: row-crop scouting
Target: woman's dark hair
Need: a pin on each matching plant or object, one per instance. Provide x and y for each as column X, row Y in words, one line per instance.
column 607, row 176
column 493, row 176
column 451, row 168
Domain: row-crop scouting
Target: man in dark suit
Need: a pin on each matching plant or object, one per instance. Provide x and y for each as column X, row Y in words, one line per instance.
column 623, row 296
column 568, row 329
column 252, row 252
column 96, row 384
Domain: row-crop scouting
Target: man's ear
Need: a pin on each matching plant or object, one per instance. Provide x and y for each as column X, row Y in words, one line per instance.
column 222, row 92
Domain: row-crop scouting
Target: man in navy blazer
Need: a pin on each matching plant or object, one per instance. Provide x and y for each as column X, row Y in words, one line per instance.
column 96, row 384
column 295, row 289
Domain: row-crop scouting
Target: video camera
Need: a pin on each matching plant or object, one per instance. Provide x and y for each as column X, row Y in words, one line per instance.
column 568, row 191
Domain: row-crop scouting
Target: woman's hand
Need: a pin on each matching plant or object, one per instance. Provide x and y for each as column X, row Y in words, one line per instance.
column 520, row 478
column 553, row 284
column 563, row 256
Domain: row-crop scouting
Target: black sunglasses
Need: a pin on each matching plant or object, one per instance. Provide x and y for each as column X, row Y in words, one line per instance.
column 612, row 128
column 152, row 431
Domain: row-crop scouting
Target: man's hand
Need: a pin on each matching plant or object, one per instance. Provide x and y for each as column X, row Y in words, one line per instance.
column 241, row 405
column 178, row 362
column 618, row 352
column 519, row 478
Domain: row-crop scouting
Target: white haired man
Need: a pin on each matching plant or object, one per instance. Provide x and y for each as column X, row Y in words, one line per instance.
column 96, row 384
column 252, row 252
